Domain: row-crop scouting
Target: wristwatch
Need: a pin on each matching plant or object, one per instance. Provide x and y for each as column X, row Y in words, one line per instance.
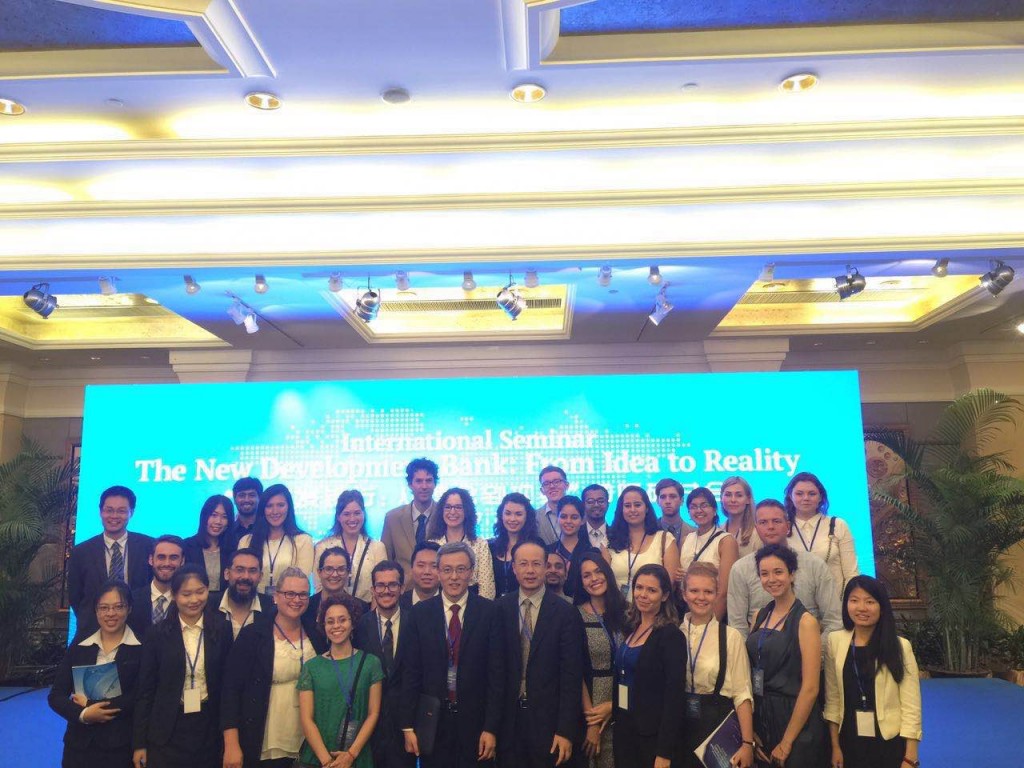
column 912, row 763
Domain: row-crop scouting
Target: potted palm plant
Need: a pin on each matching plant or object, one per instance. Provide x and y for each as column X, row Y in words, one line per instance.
column 968, row 510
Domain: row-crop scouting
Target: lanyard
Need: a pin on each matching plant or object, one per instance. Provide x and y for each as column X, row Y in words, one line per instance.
column 600, row 618
column 695, row 656
column 696, row 541
column 813, row 537
column 766, row 629
column 554, row 530
column 856, row 674
column 302, row 645
column 273, row 558
column 193, row 663
column 631, row 561
column 621, row 654
column 348, row 688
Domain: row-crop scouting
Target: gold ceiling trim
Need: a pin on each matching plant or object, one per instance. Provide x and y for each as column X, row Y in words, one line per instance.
column 594, row 255
column 161, row 149
column 789, row 42
column 81, row 209
column 181, row 60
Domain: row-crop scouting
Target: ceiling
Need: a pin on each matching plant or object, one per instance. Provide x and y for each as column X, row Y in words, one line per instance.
column 664, row 140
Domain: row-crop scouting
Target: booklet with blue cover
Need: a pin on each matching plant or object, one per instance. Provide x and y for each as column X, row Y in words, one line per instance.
column 97, row 682
column 717, row 749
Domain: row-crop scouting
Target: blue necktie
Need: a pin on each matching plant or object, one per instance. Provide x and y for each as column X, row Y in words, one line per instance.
column 421, row 529
column 116, row 562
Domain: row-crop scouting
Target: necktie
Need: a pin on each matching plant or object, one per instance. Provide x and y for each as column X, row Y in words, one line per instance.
column 387, row 645
column 160, row 609
column 525, row 637
column 454, row 638
column 116, row 562
column 421, row 529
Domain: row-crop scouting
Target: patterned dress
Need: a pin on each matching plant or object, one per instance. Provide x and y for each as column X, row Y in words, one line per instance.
column 599, row 646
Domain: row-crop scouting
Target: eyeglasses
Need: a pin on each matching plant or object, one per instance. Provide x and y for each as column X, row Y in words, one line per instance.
column 547, row 485
column 290, row 596
column 596, row 502
column 459, row 570
column 330, row 570
column 391, row 586
column 702, row 507
column 453, row 507
column 115, row 608
column 121, row 512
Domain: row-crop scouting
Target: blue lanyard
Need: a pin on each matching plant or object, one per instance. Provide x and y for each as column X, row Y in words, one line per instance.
column 348, row 688
column 813, row 537
column 767, row 628
column 856, row 674
column 302, row 646
column 630, row 562
column 694, row 656
column 273, row 558
column 193, row 663
column 611, row 637
column 620, row 660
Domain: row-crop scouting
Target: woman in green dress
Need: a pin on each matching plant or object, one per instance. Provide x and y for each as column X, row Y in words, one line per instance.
column 339, row 694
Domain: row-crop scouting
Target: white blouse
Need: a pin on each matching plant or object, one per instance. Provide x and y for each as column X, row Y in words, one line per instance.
column 282, row 733
column 483, row 574
column 621, row 560
column 360, row 580
column 281, row 553
column 838, row 552
column 737, row 663
column 693, row 544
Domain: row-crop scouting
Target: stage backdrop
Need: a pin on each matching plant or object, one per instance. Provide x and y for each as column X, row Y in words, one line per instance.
column 176, row 444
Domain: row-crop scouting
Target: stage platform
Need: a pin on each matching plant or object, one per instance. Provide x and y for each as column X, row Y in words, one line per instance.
column 966, row 723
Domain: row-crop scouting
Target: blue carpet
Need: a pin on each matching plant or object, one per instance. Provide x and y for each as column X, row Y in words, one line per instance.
column 967, row 723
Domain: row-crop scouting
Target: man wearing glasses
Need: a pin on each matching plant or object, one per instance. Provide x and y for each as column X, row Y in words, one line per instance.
column 595, row 501
column 453, row 655
column 553, row 484
column 381, row 632
column 334, row 567
column 241, row 603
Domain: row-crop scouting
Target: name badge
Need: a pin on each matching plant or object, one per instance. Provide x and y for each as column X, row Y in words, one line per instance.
column 758, row 681
column 693, row 706
column 866, row 724
column 192, row 703
column 623, row 696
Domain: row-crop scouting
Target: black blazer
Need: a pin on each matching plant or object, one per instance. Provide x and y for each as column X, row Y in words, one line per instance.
column 480, row 684
column 162, row 676
column 87, row 570
column 116, row 733
column 141, row 617
column 194, row 553
column 309, row 624
column 265, row 615
column 657, row 697
column 366, row 638
column 554, row 674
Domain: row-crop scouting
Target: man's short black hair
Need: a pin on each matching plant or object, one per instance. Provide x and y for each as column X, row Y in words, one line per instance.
column 420, row 465
column 247, row 484
column 118, row 490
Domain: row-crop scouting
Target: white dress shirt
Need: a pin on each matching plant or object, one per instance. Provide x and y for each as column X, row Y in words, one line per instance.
column 598, row 536
column 194, row 640
column 395, row 619
column 838, row 552
column 225, row 608
column 737, row 662
column 105, row 657
column 155, row 594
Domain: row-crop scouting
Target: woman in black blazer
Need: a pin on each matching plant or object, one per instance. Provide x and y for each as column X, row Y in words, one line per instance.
column 177, row 723
column 99, row 733
column 210, row 547
column 650, row 674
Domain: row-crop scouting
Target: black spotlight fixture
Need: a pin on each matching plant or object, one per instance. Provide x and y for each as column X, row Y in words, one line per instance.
column 998, row 277
column 941, row 268
column 850, row 284
column 510, row 300
column 368, row 305
column 39, row 299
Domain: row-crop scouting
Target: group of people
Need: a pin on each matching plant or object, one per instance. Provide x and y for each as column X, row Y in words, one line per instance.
column 564, row 639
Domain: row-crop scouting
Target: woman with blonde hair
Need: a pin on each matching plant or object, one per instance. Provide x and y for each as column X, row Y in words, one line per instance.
column 737, row 500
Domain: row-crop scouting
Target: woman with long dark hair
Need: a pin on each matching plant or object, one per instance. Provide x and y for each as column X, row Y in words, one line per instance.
column 572, row 539
column 635, row 539
column 650, row 672
column 455, row 520
column 603, row 609
column 872, row 687
column 277, row 535
column 210, row 547
column 349, row 532
column 177, row 712
column 515, row 521
column 99, row 731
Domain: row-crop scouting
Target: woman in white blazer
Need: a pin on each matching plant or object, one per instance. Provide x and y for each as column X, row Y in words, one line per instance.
column 872, row 688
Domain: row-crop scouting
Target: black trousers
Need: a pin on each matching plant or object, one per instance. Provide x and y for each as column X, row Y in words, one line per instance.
column 195, row 742
column 528, row 750
column 97, row 758
column 388, row 743
column 450, row 750
column 630, row 748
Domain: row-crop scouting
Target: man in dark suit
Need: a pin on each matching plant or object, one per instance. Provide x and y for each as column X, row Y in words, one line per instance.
column 544, row 667
column 384, row 632
column 453, row 654
column 115, row 553
column 424, row 574
column 241, row 603
column 150, row 603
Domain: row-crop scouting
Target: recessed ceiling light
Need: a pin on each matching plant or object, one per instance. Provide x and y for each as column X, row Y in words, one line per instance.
column 801, row 81
column 1020, row 327
column 95, row 357
column 890, row 283
column 527, row 93
column 11, row 108
column 262, row 100
column 690, row 86
column 922, row 341
column 773, row 286
column 395, row 96
column 818, row 343
column 870, row 343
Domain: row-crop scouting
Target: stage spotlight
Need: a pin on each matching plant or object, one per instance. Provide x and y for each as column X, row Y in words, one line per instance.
column 249, row 321
column 468, row 283
column 335, row 282
column 998, row 277
column 850, row 284
column 107, row 286
column 235, row 312
column 39, row 299
column 402, row 280
column 941, row 268
column 261, row 284
column 531, row 280
column 604, row 277
column 511, row 301
column 661, row 308
column 654, row 276
column 191, row 286
column 767, row 273
column 368, row 305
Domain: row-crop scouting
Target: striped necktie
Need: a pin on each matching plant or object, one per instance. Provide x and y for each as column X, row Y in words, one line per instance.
column 116, row 562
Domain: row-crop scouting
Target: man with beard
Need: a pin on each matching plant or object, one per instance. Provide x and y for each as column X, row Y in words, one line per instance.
column 240, row 603
column 150, row 603
column 555, row 575
column 246, row 493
